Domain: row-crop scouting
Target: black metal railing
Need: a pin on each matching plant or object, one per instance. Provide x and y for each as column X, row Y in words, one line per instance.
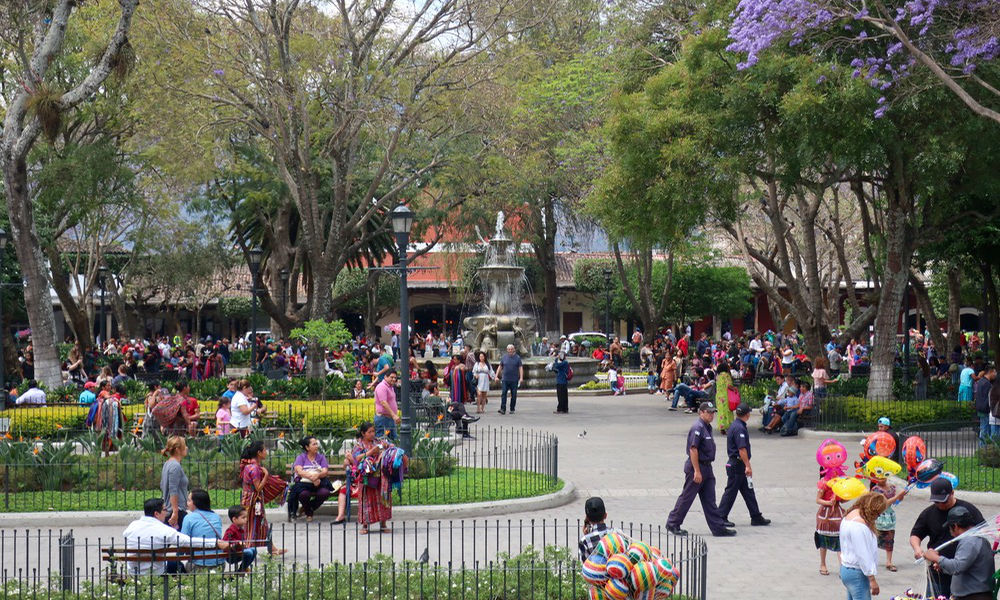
column 498, row 464
column 523, row 559
column 839, row 413
column 973, row 459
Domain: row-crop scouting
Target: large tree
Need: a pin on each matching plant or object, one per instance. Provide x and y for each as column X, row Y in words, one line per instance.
column 370, row 93
column 31, row 46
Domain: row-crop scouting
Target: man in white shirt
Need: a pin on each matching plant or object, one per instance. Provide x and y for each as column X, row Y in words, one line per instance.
column 32, row 396
column 149, row 532
column 756, row 345
column 240, row 409
column 564, row 345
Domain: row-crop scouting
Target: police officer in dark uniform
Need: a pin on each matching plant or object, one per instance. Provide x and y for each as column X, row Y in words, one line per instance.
column 698, row 477
column 739, row 474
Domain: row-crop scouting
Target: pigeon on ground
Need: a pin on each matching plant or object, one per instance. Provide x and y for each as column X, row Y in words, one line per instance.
column 582, row 435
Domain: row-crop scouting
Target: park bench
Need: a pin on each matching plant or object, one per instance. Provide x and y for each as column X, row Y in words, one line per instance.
column 116, row 555
column 335, row 471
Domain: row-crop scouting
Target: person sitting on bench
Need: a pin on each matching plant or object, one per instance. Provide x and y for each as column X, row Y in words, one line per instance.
column 149, row 532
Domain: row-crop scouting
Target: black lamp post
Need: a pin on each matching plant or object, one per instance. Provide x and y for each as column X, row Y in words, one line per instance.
column 607, row 303
column 3, row 330
column 284, row 289
column 906, row 333
column 402, row 221
column 102, row 278
column 255, row 254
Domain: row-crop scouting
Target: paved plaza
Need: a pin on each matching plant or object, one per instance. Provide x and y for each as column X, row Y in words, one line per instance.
column 632, row 455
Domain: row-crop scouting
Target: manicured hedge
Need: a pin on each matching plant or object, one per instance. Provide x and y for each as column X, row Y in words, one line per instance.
column 313, row 415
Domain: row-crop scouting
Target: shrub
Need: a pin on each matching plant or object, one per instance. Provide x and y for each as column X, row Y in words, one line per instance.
column 989, row 455
column 852, row 413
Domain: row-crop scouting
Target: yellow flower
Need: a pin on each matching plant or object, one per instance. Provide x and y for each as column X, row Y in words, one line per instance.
column 35, row 451
column 281, row 435
column 440, row 417
column 8, row 436
column 58, row 426
column 207, row 430
column 141, row 419
column 427, row 436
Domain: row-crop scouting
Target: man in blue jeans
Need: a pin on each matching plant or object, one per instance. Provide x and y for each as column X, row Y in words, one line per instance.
column 510, row 371
column 692, row 397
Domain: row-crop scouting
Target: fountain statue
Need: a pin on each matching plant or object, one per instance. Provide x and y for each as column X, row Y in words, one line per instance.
column 502, row 280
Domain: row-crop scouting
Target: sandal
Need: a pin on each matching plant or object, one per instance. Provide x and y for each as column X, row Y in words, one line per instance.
column 363, row 532
column 823, row 571
column 891, row 568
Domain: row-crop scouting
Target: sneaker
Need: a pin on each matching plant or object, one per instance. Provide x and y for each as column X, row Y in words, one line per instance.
column 512, row 411
column 502, row 411
column 724, row 533
column 672, row 408
column 761, row 522
column 469, row 419
column 676, row 530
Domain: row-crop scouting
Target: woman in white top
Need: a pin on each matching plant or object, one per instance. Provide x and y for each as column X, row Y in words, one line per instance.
column 483, row 374
column 241, row 407
column 859, row 547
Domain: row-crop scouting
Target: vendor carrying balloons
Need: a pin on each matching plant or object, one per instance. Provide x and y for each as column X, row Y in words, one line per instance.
column 932, row 524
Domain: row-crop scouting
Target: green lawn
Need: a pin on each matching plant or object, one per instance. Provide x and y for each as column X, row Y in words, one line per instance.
column 972, row 476
column 463, row 485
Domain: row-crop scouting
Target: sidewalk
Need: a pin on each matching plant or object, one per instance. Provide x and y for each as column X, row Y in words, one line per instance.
column 632, row 455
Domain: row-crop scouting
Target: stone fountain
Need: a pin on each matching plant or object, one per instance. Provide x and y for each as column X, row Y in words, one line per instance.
column 504, row 320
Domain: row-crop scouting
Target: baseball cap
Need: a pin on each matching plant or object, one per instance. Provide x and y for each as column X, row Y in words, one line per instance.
column 594, row 509
column 90, row 385
column 940, row 490
column 959, row 515
column 884, row 421
column 707, row 407
column 743, row 409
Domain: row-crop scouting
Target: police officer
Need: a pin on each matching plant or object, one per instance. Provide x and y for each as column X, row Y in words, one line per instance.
column 738, row 470
column 698, row 477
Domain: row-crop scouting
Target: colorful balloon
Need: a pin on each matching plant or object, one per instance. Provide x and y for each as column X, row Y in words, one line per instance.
column 639, row 551
column 880, row 443
column 597, row 593
column 950, row 477
column 847, row 488
column 595, row 570
column 831, row 457
column 619, row 566
column 617, row 589
column 880, row 467
column 928, row 470
column 643, row 576
column 914, row 451
column 611, row 544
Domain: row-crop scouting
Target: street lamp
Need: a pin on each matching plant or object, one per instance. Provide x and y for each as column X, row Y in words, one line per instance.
column 402, row 221
column 102, row 278
column 607, row 303
column 255, row 254
column 906, row 333
column 3, row 330
column 284, row 274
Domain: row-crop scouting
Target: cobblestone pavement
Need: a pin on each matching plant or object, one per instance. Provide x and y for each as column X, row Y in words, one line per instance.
column 632, row 455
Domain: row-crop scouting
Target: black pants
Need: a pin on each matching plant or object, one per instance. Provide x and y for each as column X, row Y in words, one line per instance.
column 736, row 481
column 704, row 490
column 562, row 397
column 306, row 494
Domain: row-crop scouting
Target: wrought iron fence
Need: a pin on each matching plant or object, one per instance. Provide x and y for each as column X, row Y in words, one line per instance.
column 497, row 464
column 840, row 413
column 975, row 461
column 489, row 559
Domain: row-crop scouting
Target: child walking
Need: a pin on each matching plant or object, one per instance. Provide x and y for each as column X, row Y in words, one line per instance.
column 885, row 525
column 828, row 518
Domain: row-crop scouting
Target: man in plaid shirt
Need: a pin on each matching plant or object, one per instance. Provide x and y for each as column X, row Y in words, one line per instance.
column 593, row 527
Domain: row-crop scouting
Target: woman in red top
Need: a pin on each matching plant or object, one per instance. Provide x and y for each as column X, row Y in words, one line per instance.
column 254, row 475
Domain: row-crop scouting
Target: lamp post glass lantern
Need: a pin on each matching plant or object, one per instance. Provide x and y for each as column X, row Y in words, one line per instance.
column 254, row 256
column 402, row 221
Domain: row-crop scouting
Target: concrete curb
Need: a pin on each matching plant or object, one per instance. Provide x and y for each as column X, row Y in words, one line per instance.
column 67, row 519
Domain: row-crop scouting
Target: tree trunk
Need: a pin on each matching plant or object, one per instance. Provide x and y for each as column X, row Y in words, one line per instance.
column 992, row 310
column 37, row 294
column 545, row 253
column 322, row 307
column 899, row 251
column 954, row 309
column 927, row 309
column 79, row 321
column 127, row 326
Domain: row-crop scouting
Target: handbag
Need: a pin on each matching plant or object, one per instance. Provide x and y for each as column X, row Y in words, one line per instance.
column 569, row 374
column 733, row 394
column 274, row 487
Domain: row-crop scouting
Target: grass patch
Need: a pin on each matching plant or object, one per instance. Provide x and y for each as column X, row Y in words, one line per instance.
column 463, row 485
column 972, row 475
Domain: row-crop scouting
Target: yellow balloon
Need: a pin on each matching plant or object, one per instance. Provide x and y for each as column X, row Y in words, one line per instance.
column 847, row 488
column 880, row 467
